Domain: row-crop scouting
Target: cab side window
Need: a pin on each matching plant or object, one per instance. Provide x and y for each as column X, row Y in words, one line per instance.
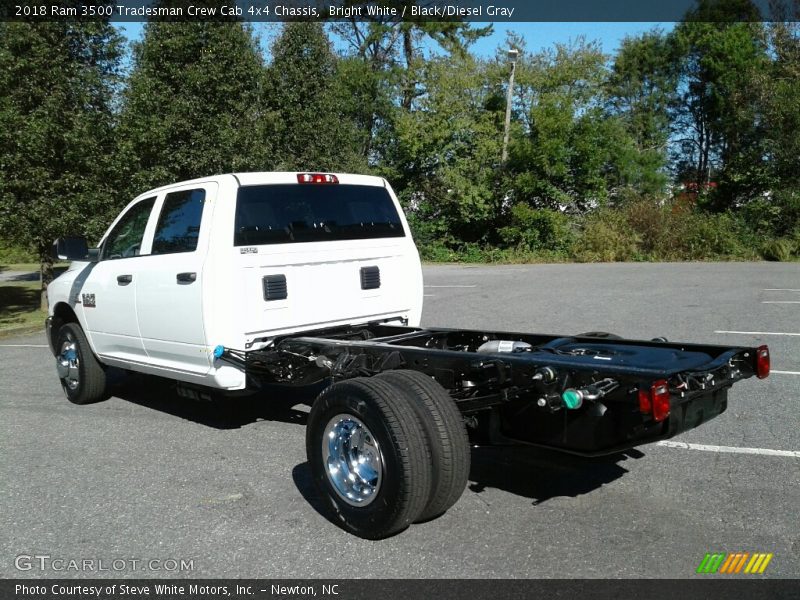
column 125, row 240
column 179, row 223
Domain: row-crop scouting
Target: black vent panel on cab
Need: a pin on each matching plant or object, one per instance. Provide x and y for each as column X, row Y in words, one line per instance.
column 370, row 278
column 275, row 287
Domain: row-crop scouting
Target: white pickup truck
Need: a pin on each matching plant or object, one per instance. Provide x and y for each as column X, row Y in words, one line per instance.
column 243, row 282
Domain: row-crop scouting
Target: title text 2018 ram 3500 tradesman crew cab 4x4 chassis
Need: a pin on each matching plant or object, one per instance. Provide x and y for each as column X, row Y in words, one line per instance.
column 237, row 282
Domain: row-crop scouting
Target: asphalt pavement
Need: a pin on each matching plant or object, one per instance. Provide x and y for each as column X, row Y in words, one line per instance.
column 147, row 476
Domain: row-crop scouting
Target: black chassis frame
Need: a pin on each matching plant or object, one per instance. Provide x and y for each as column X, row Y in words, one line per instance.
column 501, row 395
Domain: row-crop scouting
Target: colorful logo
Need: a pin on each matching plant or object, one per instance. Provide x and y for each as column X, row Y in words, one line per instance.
column 736, row 562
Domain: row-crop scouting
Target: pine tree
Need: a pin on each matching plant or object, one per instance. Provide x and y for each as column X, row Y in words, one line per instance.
column 57, row 85
column 192, row 104
column 305, row 98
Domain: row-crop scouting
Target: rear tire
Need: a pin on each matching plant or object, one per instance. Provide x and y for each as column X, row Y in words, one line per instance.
column 369, row 457
column 83, row 377
column 447, row 438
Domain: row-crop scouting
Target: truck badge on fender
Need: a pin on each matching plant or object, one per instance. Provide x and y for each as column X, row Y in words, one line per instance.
column 88, row 300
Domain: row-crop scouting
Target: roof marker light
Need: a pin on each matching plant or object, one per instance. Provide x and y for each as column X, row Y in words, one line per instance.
column 317, row 178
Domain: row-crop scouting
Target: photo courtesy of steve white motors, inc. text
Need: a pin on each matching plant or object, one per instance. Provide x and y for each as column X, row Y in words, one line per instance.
column 171, row 589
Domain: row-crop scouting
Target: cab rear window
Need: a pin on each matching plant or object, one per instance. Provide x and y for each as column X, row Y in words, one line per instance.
column 292, row 213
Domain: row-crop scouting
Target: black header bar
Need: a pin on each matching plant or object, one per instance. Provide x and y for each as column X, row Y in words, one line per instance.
column 710, row 588
column 497, row 11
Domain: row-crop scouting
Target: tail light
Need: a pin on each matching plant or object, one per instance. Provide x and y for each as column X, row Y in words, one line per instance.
column 762, row 362
column 655, row 400
column 659, row 397
column 317, row 178
column 644, row 402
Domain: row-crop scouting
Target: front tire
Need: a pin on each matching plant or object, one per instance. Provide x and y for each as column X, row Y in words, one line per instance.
column 369, row 457
column 83, row 377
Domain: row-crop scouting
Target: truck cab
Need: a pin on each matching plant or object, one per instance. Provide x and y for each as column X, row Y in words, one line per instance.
column 236, row 260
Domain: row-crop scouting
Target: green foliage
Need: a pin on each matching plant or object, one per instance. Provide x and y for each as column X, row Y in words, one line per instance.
column 778, row 250
column 57, row 84
column 713, row 236
column 774, row 217
column 644, row 229
column 607, row 236
column 363, row 96
column 536, row 230
column 304, row 100
column 445, row 152
column 716, row 116
column 668, row 232
column 641, row 87
column 594, row 139
column 14, row 253
column 191, row 108
column 778, row 88
column 574, row 153
column 392, row 49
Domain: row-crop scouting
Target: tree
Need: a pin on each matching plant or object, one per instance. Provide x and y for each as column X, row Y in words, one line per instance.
column 305, row 99
column 445, row 152
column 718, row 132
column 57, row 89
column 572, row 155
column 192, row 106
column 641, row 88
column 776, row 213
column 390, row 49
column 778, row 88
column 454, row 36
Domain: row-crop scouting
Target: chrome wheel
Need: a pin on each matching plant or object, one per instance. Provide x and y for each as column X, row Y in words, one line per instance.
column 352, row 459
column 68, row 364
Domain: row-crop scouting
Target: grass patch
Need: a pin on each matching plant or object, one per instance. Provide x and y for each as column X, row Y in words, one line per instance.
column 20, row 267
column 11, row 253
column 19, row 307
column 29, row 266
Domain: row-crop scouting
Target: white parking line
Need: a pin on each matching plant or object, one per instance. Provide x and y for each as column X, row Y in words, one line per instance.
column 451, row 286
column 773, row 372
column 781, row 302
column 730, row 449
column 23, row 345
column 780, row 290
column 757, row 332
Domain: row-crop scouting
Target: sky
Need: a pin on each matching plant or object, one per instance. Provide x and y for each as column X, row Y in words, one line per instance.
column 536, row 35
column 544, row 35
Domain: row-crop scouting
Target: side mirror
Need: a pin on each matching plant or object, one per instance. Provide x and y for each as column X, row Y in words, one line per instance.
column 71, row 248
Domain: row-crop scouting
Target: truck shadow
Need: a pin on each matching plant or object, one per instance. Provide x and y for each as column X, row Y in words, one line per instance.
column 529, row 472
column 542, row 474
column 217, row 412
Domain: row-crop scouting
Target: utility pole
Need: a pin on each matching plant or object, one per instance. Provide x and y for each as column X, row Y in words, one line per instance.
column 513, row 53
